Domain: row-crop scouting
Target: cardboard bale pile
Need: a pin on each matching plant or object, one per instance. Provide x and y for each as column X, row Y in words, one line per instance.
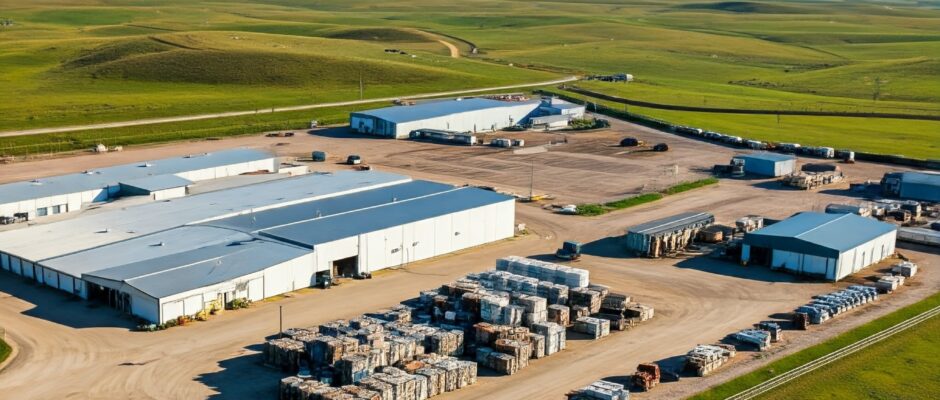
column 283, row 353
column 554, row 334
column 559, row 314
column 544, row 271
column 600, row 390
column 596, row 328
column 773, row 328
column 704, row 358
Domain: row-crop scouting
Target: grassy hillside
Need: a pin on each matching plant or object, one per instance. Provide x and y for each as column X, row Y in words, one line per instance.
column 104, row 60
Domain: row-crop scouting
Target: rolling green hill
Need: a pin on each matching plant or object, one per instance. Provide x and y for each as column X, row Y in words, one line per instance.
column 106, row 60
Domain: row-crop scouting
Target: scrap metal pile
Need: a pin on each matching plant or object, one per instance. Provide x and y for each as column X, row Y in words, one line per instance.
column 501, row 319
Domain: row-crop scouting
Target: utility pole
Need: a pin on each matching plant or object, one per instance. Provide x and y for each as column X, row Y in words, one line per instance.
column 280, row 312
column 532, row 182
column 360, row 85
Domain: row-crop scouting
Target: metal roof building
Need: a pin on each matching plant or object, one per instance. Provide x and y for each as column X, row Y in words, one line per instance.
column 666, row 235
column 166, row 259
column 923, row 186
column 831, row 246
column 768, row 164
column 460, row 115
column 160, row 179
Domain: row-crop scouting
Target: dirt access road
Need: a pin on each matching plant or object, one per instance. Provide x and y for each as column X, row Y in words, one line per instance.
column 454, row 51
column 150, row 121
column 72, row 349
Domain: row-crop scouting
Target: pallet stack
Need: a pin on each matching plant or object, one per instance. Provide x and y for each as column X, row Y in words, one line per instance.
column 596, row 328
column 600, row 390
column 284, row 353
column 559, row 314
column 647, row 376
column 704, row 359
column 756, row 337
column 554, row 334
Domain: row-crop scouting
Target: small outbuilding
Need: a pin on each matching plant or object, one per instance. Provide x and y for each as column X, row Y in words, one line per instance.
column 829, row 246
column 923, row 186
column 666, row 235
column 767, row 164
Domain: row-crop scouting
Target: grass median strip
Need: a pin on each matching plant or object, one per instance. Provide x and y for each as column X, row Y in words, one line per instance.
column 599, row 209
column 882, row 367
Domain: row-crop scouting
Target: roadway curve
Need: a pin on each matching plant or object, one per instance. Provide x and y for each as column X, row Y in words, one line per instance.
column 150, row 121
column 834, row 356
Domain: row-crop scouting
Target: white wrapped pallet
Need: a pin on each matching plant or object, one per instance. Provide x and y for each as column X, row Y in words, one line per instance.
column 594, row 327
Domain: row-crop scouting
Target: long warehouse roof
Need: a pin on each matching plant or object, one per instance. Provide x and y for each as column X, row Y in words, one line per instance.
column 327, row 229
column 296, row 213
column 111, row 176
column 825, row 235
column 44, row 241
column 435, row 109
column 672, row 223
column 208, row 265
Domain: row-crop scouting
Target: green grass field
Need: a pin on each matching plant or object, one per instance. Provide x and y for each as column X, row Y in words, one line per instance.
column 904, row 366
column 911, row 138
column 5, row 350
column 91, row 61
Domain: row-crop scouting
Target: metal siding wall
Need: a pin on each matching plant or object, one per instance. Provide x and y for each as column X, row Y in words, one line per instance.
column 66, row 283
column 443, row 234
column 461, row 224
column 477, row 228
column 424, row 235
column 256, row 289
column 28, row 270
column 171, row 310
column 5, row 261
column 50, row 277
column 15, row 265
column 394, row 247
column 145, row 307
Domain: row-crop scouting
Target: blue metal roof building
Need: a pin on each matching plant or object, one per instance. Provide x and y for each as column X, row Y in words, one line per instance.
column 768, row 164
column 923, row 186
column 68, row 192
column 162, row 260
column 831, row 246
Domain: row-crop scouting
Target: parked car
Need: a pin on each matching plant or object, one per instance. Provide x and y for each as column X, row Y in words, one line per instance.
column 353, row 160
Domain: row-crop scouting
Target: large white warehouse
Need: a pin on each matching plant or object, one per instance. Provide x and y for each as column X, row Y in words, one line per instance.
column 460, row 115
column 166, row 259
column 830, row 246
column 160, row 179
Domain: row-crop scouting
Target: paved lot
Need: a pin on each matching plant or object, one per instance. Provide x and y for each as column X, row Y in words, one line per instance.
column 70, row 349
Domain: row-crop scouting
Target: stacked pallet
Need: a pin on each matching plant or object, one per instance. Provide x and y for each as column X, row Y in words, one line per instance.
column 554, row 334
column 647, row 376
column 600, row 390
column 446, row 343
column 559, row 314
column 639, row 311
column 596, row 328
column 704, row 359
column 535, row 309
column 544, row 271
column 757, row 337
column 537, row 343
column 906, row 269
column 773, row 328
column 586, row 297
column 518, row 349
column 496, row 361
column 283, row 353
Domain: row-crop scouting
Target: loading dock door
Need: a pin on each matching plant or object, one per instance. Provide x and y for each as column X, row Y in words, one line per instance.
column 348, row 266
column 760, row 256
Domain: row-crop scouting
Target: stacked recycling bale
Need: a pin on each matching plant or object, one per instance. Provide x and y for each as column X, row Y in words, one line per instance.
column 544, row 271
column 554, row 334
column 586, row 297
column 559, row 314
column 535, row 309
column 284, row 353
column 703, row 359
column 595, row 328
column 600, row 390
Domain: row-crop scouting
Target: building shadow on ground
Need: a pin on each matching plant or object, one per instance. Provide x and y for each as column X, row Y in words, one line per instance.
column 243, row 377
column 342, row 132
column 727, row 267
column 59, row 307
